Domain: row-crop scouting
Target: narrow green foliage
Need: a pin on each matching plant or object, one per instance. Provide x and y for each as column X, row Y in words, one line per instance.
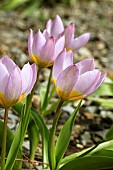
column 33, row 134
column 10, row 137
column 51, row 147
column 89, row 163
column 109, row 134
column 64, row 136
column 15, row 145
column 44, row 133
column 89, row 151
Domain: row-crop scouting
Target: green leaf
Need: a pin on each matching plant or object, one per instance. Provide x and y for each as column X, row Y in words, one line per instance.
column 106, row 89
column 44, row 133
column 10, row 137
column 51, row 109
column 109, row 134
column 11, row 4
column 108, row 103
column 51, row 147
column 15, row 146
column 89, row 163
column 30, row 9
column 64, row 136
column 89, row 151
column 33, row 134
column 103, row 152
column 37, row 118
column 46, row 98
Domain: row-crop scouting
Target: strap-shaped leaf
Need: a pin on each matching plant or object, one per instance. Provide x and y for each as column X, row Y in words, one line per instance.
column 89, row 163
column 10, row 137
column 33, row 134
column 89, row 151
column 43, row 130
column 14, row 147
column 44, row 133
column 64, row 136
column 51, row 147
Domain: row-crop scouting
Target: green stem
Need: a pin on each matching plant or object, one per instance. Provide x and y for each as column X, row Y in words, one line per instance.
column 51, row 149
column 58, row 108
column 47, row 91
column 3, row 154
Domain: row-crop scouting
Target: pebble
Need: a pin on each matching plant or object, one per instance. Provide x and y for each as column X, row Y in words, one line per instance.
column 85, row 138
column 106, row 114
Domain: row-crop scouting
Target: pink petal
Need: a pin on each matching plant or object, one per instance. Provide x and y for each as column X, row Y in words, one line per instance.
column 59, row 46
column 85, row 65
column 80, row 41
column 46, row 34
column 8, row 63
column 66, row 81
column 68, row 59
column 27, row 76
column 87, row 81
column 57, row 26
column 62, row 62
column 47, row 52
column 100, row 81
column 30, row 42
column 38, row 43
column 69, row 34
column 13, row 89
column 49, row 26
column 34, row 76
column 3, row 77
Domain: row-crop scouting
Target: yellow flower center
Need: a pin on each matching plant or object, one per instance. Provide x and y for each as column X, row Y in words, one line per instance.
column 41, row 63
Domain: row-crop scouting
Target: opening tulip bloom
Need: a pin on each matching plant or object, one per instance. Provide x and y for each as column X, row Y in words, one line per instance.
column 44, row 51
column 72, row 43
column 75, row 81
column 15, row 84
column 54, row 28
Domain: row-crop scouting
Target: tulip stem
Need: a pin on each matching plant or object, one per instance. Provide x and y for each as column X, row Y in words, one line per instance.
column 3, row 154
column 59, row 107
column 47, row 91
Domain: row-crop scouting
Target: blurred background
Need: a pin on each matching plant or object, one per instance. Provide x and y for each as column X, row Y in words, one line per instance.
column 95, row 16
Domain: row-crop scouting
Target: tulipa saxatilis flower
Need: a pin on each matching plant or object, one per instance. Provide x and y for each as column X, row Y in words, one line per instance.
column 15, row 84
column 44, row 51
column 54, row 28
column 72, row 43
column 75, row 81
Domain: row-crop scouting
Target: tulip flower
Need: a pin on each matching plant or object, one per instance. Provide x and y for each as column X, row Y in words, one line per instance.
column 72, row 43
column 44, row 51
column 15, row 84
column 54, row 28
column 75, row 81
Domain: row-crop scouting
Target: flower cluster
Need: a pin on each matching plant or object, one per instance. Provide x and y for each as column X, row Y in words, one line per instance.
column 52, row 47
column 55, row 46
column 45, row 47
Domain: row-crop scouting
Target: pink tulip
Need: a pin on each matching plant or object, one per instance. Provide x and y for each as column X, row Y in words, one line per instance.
column 54, row 28
column 44, row 51
column 15, row 84
column 72, row 43
column 75, row 81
